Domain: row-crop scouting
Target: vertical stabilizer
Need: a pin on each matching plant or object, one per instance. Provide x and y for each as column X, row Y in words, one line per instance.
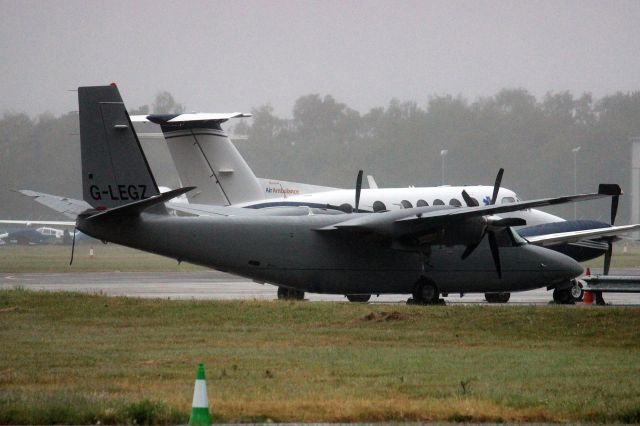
column 114, row 169
column 206, row 158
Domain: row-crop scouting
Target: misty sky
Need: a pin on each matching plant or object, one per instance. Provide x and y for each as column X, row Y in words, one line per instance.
column 219, row 56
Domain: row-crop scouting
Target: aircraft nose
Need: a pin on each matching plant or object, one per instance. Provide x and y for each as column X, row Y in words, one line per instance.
column 558, row 267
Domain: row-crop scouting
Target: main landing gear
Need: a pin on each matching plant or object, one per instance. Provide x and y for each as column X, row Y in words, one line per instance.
column 290, row 294
column 425, row 292
column 358, row 298
column 568, row 295
column 497, row 297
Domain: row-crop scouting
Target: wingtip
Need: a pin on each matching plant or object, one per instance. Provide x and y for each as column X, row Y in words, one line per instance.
column 609, row 189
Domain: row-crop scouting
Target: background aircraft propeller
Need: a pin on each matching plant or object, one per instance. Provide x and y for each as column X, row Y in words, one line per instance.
column 358, row 189
column 496, row 186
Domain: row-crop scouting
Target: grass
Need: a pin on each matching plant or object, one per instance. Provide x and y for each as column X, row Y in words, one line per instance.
column 72, row 358
column 107, row 257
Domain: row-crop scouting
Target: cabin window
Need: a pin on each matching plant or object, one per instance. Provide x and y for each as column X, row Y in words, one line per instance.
column 422, row 203
column 406, row 204
column 455, row 202
column 379, row 206
column 438, row 202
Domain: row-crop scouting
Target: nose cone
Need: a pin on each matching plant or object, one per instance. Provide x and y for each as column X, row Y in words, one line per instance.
column 558, row 267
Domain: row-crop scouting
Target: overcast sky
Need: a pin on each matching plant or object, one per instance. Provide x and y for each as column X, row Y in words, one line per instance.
column 220, row 56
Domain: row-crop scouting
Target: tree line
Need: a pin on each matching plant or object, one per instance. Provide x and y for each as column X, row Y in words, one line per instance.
column 325, row 142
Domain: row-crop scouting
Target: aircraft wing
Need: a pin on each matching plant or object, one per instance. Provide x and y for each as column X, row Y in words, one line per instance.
column 67, row 206
column 38, row 222
column 210, row 210
column 574, row 236
column 423, row 220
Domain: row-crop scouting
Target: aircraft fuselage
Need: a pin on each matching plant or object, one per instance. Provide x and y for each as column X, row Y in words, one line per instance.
column 291, row 252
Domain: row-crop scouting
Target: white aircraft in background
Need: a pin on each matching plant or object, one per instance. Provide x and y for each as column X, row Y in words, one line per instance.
column 206, row 158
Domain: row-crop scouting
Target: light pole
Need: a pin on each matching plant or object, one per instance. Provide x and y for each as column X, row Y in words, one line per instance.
column 443, row 153
column 575, row 177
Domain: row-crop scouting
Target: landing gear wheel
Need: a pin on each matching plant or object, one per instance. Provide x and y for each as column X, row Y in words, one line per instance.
column 576, row 292
column 563, row 296
column 290, row 294
column 426, row 292
column 358, row 298
column 497, row 297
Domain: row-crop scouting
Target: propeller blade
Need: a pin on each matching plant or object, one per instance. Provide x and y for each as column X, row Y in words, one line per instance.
column 358, row 189
column 73, row 246
column 496, row 186
column 470, row 201
column 493, row 244
column 614, row 208
column 470, row 248
column 607, row 258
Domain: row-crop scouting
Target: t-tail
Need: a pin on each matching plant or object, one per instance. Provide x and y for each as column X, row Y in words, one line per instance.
column 206, row 158
column 115, row 171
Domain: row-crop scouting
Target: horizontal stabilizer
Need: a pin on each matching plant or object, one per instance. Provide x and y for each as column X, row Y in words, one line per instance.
column 68, row 206
column 187, row 118
column 138, row 207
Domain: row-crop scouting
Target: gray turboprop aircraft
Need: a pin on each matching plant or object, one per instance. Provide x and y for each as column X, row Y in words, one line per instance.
column 421, row 251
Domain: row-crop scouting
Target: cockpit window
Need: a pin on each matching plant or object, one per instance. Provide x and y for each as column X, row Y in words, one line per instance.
column 507, row 200
column 455, row 202
column 438, row 202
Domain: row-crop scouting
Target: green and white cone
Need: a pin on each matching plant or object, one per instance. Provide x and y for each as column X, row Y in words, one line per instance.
column 200, row 406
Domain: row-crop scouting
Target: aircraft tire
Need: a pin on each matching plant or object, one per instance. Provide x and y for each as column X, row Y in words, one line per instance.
column 290, row 294
column 563, row 296
column 497, row 297
column 576, row 291
column 426, row 292
column 358, row 298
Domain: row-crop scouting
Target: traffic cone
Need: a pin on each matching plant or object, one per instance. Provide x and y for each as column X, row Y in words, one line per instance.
column 587, row 297
column 200, row 406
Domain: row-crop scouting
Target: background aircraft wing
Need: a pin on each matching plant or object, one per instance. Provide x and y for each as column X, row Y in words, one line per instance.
column 573, row 236
column 67, row 206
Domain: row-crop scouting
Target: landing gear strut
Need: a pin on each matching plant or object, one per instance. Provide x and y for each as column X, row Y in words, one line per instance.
column 290, row 294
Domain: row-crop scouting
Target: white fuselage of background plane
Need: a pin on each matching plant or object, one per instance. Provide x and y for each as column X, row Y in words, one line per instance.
column 398, row 198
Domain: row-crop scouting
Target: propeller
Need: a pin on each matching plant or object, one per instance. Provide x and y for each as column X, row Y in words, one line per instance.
column 492, row 225
column 73, row 245
column 496, row 186
column 358, row 189
column 470, row 201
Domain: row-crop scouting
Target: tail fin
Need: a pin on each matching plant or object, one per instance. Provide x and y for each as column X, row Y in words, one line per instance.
column 206, row 158
column 115, row 171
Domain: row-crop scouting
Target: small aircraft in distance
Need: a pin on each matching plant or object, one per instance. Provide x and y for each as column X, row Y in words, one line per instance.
column 40, row 235
column 423, row 251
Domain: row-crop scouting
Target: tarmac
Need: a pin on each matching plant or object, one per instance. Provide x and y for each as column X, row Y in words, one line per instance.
column 217, row 285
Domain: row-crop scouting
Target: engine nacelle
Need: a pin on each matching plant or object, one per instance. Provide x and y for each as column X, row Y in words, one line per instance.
column 468, row 232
